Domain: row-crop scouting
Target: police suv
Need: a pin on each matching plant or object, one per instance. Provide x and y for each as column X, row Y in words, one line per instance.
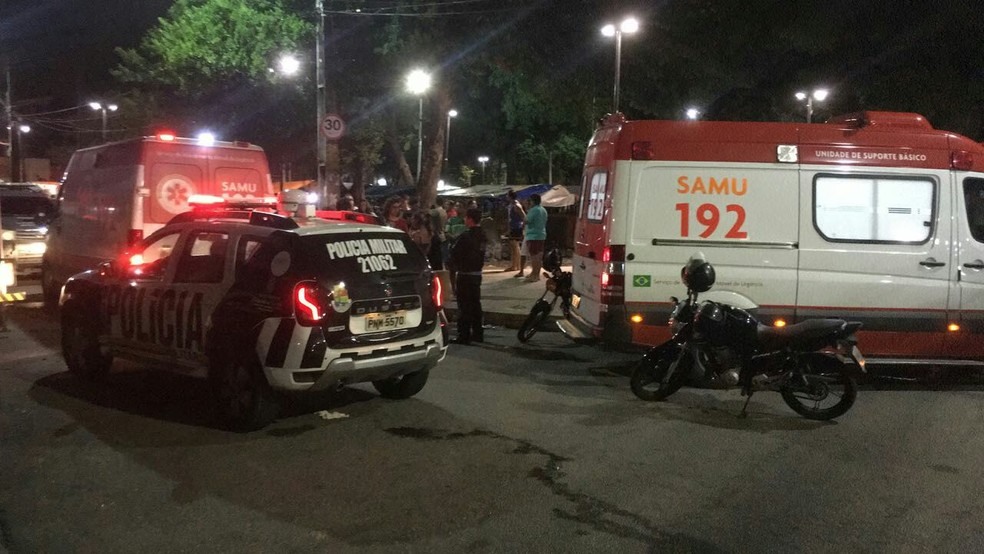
column 261, row 304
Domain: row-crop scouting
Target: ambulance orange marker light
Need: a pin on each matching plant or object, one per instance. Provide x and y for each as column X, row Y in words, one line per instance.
column 779, row 323
column 953, row 327
column 636, row 318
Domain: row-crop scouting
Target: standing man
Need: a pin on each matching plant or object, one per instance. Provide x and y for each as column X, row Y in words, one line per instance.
column 536, row 236
column 467, row 259
column 517, row 218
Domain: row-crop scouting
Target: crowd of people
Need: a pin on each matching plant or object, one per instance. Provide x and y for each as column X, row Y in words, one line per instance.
column 451, row 235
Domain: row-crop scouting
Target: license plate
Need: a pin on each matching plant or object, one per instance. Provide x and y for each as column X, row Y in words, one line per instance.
column 575, row 300
column 386, row 322
column 31, row 249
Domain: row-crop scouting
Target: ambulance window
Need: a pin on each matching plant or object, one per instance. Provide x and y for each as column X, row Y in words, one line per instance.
column 974, row 202
column 594, row 196
column 203, row 259
column 874, row 209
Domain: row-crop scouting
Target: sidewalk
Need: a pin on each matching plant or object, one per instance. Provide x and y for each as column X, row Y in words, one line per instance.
column 506, row 300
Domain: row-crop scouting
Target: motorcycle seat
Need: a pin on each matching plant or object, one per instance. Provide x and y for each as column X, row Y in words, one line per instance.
column 806, row 335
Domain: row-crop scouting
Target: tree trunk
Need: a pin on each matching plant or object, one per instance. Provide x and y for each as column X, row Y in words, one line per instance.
column 393, row 140
column 435, row 126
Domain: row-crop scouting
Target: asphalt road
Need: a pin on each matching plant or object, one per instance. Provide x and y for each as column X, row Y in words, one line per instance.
column 509, row 448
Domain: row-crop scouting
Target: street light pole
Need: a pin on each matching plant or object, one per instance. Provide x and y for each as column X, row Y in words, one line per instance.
column 447, row 135
column 483, row 160
column 418, row 81
column 629, row 25
column 319, row 55
column 98, row 106
column 819, row 95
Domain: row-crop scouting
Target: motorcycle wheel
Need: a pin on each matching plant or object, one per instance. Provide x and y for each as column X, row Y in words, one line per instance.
column 647, row 378
column 537, row 316
column 822, row 389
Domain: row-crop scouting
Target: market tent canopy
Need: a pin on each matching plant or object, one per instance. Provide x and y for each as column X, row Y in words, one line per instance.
column 557, row 197
column 495, row 191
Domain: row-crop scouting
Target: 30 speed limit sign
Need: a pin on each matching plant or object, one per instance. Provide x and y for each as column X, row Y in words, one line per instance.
column 333, row 126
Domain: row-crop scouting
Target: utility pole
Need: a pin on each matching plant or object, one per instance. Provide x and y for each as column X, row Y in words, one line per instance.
column 10, row 126
column 320, row 72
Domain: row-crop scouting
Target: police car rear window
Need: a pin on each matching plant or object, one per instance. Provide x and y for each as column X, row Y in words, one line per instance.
column 351, row 255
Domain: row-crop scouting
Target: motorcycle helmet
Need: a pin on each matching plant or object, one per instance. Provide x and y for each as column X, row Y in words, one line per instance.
column 551, row 260
column 698, row 274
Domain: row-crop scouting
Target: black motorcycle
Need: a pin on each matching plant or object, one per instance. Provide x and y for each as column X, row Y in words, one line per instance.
column 559, row 285
column 811, row 364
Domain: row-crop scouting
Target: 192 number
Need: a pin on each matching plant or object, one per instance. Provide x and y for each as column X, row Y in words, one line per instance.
column 709, row 216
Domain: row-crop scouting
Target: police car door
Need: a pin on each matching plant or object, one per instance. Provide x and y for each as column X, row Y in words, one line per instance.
column 133, row 301
column 201, row 278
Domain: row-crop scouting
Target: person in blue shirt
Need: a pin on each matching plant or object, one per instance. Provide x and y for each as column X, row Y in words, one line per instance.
column 536, row 236
column 517, row 218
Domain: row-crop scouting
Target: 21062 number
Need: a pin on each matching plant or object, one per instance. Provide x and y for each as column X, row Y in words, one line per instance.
column 709, row 216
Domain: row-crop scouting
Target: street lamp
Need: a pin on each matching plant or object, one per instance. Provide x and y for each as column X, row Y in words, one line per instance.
column 103, row 108
column 483, row 160
column 418, row 81
column 819, row 95
column 629, row 25
column 288, row 65
column 447, row 134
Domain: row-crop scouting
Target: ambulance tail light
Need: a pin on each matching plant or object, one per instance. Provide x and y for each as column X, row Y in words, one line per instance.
column 643, row 150
column 437, row 291
column 134, row 236
column 613, row 275
column 962, row 160
column 311, row 305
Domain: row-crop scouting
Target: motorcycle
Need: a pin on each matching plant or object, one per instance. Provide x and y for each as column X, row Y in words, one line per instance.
column 559, row 284
column 811, row 364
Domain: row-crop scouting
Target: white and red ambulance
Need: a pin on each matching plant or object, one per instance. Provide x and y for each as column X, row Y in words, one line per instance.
column 874, row 216
column 114, row 195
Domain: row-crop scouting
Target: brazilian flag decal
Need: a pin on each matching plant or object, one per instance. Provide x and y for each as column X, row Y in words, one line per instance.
column 642, row 281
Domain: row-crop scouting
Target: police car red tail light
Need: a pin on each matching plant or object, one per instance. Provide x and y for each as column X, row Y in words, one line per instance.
column 438, row 292
column 310, row 305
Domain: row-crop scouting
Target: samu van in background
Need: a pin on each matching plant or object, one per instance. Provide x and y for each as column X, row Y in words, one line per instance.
column 873, row 217
column 113, row 195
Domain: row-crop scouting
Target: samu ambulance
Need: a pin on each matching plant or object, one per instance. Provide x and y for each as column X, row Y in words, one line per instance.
column 114, row 195
column 874, row 216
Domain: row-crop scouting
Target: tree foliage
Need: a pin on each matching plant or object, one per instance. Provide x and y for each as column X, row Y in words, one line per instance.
column 204, row 42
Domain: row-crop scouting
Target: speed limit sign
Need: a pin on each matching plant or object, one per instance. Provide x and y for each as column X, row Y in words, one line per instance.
column 332, row 126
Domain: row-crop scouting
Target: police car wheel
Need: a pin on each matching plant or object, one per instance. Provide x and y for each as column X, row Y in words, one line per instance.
column 402, row 387
column 244, row 398
column 80, row 347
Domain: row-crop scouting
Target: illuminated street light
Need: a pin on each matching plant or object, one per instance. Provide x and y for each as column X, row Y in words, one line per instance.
column 418, row 81
column 629, row 25
column 483, row 160
column 447, row 135
column 693, row 113
column 288, row 65
column 103, row 108
column 819, row 95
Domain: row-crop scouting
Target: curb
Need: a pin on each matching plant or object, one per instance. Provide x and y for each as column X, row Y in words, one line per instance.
column 507, row 320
